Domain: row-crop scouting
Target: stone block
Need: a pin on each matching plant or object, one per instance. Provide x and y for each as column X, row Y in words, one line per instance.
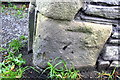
column 102, row 65
column 78, row 43
column 112, row 53
column 104, row 2
column 115, row 64
column 112, row 12
column 59, row 9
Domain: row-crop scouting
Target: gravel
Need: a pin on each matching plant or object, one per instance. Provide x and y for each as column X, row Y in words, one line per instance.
column 13, row 25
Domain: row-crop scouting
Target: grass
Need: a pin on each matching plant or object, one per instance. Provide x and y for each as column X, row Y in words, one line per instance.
column 11, row 66
column 62, row 73
column 114, row 75
column 19, row 11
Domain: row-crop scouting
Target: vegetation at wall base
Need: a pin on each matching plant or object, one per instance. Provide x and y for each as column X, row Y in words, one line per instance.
column 62, row 73
column 12, row 64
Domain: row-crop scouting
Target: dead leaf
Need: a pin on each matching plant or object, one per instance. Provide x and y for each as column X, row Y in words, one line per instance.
column 12, row 67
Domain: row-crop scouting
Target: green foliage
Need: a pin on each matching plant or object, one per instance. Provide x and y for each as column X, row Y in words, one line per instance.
column 12, row 6
column 62, row 73
column 109, row 76
column 15, row 45
column 2, row 49
column 11, row 66
column 23, row 37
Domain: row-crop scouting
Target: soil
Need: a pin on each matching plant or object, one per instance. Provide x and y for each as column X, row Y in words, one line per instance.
column 31, row 74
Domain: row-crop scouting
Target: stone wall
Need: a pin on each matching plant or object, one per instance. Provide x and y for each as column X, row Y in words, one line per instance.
column 105, row 12
column 55, row 33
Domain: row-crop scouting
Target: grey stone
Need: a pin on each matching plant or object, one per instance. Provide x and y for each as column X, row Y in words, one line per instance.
column 114, row 41
column 95, row 19
column 115, row 64
column 116, row 35
column 31, row 27
column 112, row 53
column 111, row 2
column 103, row 11
column 59, row 9
column 78, row 43
column 33, row 2
column 102, row 65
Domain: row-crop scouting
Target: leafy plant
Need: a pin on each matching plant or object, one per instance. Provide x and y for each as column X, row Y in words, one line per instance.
column 109, row 76
column 23, row 37
column 12, row 6
column 62, row 72
column 15, row 7
column 2, row 49
column 11, row 66
column 15, row 45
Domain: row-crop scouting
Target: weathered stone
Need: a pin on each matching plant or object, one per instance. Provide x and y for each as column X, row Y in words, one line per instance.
column 115, row 64
column 116, row 35
column 59, row 9
column 95, row 19
column 112, row 53
column 110, row 2
column 102, row 65
column 114, row 41
column 33, row 2
column 78, row 43
column 31, row 26
column 103, row 11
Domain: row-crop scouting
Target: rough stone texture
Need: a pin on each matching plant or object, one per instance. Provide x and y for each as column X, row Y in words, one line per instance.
column 115, row 41
column 110, row 2
column 59, row 10
column 78, row 43
column 103, row 11
column 115, row 64
column 102, row 65
column 116, row 35
column 112, row 53
column 32, row 19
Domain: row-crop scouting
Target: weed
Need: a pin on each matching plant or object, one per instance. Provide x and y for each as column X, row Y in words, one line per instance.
column 15, row 45
column 2, row 49
column 14, row 7
column 114, row 75
column 23, row 37
column 62, row 72
column 11, row 66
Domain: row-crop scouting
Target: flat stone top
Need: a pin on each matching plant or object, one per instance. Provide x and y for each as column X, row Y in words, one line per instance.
column 14, row 0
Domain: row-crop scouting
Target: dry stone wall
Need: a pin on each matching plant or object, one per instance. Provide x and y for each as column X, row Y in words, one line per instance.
column 105, row 12
column 66, row 30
